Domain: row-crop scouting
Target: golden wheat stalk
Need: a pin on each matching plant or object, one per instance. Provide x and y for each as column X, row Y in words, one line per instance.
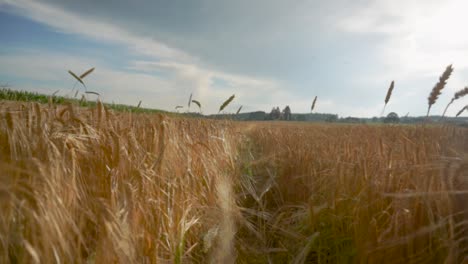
column 226, row 103
column 461, row 111
column 313, row 104
column 456, row 96
column 438, row 88
column 387, row 97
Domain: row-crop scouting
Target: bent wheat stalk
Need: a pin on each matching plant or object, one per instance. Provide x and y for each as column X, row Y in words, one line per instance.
column 456, row 96
column 461, row 111
column 197, row 103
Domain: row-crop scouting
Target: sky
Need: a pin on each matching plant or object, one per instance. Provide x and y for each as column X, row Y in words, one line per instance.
column 267, row 52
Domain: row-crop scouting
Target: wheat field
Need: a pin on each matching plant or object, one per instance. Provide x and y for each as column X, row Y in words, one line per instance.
column 92, row 185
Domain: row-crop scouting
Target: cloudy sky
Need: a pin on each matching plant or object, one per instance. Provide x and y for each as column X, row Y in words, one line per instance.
column 266, row 52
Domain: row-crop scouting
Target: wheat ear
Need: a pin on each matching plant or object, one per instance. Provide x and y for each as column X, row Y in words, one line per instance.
column 387, row 97
column 226, row 103
column 438, row 87
column 313, row 104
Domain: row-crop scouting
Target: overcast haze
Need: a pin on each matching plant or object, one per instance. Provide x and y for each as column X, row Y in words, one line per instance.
column 268, row 53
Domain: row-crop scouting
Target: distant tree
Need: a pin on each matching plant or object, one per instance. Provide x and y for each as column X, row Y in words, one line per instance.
column 275, row 113
column 287, row 113
column 350, row 119
column 300, row 117
column 392, row 118
column 259, row 115
column 331, row 118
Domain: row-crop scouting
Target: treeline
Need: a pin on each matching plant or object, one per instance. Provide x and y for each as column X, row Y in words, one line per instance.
column 391, row 118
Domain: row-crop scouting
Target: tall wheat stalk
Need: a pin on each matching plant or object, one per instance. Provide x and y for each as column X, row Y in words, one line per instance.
column 387, row 97
column 438, row 88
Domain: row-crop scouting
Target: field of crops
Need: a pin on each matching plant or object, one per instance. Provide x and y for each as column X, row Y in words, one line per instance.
column 94, row 185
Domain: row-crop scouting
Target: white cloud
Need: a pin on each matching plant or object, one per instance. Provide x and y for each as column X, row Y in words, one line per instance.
column 158, row 91
column 70, row 23
column 419, row 39
column 202, row 83
column 32, row 67
column 181, row 73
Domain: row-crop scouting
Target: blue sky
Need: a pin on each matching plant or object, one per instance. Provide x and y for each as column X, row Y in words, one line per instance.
column 267, row 52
